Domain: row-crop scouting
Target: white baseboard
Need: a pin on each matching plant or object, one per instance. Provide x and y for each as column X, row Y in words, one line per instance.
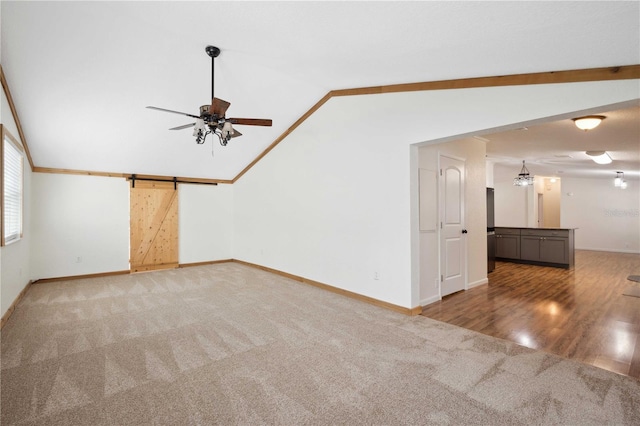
column 609, row 250
column 477, row 283
column 429, row 300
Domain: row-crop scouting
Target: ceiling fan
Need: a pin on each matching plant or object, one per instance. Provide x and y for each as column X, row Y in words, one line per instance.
column 212, row 118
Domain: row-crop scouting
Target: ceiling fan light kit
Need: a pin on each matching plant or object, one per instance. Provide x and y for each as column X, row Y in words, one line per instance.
column 588, row 122
column 212, row 118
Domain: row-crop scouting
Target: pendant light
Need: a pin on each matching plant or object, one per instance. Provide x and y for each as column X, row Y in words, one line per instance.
column 618, row 180
column 523, row 178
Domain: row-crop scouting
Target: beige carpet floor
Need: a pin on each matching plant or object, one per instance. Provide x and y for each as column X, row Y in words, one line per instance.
column 231, row 344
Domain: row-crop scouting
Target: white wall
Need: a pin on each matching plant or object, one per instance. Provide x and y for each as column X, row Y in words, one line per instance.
column 336, row 201
column 205, row 219
column 551, row 202
column 88, row 217
column 490, row 174
column 14, row 258
column 607, row 218
column 511, row 202
column 84, row 217
column 15, row 270
column 330, row 204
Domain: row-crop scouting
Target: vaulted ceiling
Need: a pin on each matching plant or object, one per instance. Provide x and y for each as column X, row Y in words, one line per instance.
column 82, row 73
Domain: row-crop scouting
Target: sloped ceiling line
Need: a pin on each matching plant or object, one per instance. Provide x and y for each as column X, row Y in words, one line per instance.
column 551, row 77
column 570, row 76
column 14, row 113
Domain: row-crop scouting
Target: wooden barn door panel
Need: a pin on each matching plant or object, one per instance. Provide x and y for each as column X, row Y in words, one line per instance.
column 154, row 226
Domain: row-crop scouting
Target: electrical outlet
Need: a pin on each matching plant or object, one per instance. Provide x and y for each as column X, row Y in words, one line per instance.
column 435, row 283
column 376, row 275
column 78, row 259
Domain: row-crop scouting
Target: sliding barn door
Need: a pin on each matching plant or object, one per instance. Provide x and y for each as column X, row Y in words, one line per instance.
column 154, row 226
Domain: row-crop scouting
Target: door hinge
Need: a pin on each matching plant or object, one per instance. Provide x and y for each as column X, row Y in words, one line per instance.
column 440, row 172
column 440, row 225
column 441, row 278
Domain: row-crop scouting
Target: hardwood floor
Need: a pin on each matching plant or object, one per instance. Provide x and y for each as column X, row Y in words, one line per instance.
column 581, row 314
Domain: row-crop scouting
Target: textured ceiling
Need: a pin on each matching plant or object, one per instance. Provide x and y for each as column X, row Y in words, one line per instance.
column 81, row 73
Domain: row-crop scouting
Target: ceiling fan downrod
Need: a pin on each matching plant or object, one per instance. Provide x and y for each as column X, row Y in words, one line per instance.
column 213, row 52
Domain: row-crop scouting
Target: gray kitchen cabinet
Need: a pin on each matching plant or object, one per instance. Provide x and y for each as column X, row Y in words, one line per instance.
column 507, row 243
column 549, row 247
column 530, row 247
column 554, row 250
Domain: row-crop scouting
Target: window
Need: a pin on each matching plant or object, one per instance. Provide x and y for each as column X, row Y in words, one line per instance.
column 12, row 185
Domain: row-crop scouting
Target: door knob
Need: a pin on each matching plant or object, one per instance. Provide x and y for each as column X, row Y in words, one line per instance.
column 464, row 231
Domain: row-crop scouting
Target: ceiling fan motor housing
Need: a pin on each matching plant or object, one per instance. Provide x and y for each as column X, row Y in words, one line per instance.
column 212, row 51
column 204, row 111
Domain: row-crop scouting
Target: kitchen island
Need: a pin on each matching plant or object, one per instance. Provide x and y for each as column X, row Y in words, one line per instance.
column 536, row 246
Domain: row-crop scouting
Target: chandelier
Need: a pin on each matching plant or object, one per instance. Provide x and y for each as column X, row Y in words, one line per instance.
column 523, row 178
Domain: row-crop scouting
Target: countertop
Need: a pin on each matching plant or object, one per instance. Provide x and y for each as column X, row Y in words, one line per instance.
column 530, row 227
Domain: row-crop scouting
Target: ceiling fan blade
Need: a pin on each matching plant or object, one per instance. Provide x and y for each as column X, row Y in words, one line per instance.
column 251, row 121
column 174, row 112
column 183, row 127
column 218, row 107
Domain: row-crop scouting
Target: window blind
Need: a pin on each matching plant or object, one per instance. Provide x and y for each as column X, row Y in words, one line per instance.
column 12, row 178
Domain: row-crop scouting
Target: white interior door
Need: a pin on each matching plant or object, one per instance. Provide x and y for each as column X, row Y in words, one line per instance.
column 453, row 254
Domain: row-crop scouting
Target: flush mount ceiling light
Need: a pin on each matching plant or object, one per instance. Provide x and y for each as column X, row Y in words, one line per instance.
column 600, row 157
column 523, row 179
column 588, row 122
